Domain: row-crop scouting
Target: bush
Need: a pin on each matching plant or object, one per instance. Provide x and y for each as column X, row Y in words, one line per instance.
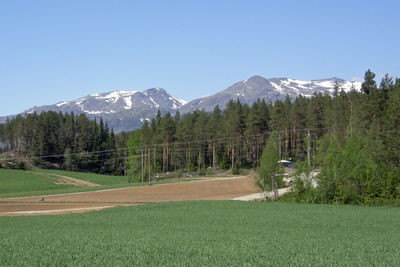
column 225, row 162
column 203, row 172
column 352, row 174
column 236, row 169
column 21, row 165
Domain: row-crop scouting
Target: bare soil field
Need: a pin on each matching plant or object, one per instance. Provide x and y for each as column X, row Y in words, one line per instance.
column 207, row 189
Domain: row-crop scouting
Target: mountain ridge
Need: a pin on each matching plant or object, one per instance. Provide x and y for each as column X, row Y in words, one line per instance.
column 248, row 91
column 125, row 110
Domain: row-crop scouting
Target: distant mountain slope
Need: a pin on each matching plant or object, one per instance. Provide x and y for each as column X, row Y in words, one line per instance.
column 248, row 91
column 123, row 110
column 127, row 110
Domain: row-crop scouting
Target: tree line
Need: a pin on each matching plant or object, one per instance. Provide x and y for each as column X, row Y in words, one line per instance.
column 237, row 135
column 63, row 141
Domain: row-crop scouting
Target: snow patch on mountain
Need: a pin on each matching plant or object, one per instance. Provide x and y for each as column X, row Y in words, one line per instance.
column 154, row 102
column 145, row 119
column 307, row 88
column 114, row 96
column 61, row 104
column 180, row 101
column 277, row 87
column 128, row 101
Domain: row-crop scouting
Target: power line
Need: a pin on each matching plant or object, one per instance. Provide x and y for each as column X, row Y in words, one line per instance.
column 172, row 146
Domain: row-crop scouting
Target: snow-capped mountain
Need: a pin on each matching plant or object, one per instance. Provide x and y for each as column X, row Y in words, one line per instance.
column 127, row 110
column 248, row 91
column 117, row 101
column 123, row 110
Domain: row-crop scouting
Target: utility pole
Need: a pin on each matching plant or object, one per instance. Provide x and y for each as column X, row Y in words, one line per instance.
column 308, row 148
column 280, row 146
column 149, row 162
column 233, row 157
column 199, row 162
column 214, row 157
column 125, row 162
column 142, row 165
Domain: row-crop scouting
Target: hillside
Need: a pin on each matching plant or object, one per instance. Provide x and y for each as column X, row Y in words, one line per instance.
column 258, row 87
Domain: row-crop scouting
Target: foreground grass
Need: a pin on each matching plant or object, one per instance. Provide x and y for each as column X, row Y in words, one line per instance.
column 206, row 233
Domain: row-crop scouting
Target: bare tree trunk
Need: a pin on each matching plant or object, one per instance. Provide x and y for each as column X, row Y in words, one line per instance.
column 199, row 161
column 233, row 157
column 253, row 156
column 143, row 166
column 308, row 149
column 163, row 159
column 149, row 155
column 214, row 167
column 154, row 159
column 189, row 159
column 167, row 158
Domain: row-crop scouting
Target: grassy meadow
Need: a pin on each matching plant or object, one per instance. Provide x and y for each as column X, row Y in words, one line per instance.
column 16, row 183
column 206, row 233
column 20, row 183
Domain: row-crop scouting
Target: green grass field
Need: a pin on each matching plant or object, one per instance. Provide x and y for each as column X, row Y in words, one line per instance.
column 206, row 233
column 19, row 183
column 15, row 183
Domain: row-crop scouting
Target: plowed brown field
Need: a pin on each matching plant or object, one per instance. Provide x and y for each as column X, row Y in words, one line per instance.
column 207, row 189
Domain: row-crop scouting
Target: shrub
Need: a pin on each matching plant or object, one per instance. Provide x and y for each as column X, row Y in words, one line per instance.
column 236, row 169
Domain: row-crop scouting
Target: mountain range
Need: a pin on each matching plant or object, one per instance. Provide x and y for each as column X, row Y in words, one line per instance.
column 248, row 91
column 127, row 110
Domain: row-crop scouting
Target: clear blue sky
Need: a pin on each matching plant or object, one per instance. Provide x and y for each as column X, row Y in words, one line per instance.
column 51, row 51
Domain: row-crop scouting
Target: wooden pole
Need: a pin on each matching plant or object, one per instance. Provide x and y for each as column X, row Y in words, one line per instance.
column 308, row 149
column 280, row 146
column 214, row 157
column 142, row 165
column 233, row 156
column 149, row 164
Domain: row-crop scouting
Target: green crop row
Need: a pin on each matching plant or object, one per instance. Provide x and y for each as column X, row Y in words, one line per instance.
column 206, row 233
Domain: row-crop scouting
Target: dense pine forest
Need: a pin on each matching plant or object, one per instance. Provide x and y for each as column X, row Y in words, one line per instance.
column 61, row 141
column 351, row 138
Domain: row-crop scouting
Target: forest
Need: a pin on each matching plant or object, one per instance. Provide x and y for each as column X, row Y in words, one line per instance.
column 351, row 138
column 60, row 141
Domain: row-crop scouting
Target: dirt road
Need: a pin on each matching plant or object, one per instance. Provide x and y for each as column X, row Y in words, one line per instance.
column 208, row 189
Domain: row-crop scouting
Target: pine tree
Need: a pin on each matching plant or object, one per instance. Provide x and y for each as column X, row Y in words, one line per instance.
column 214, row 133
column 167, row 126
column 298, row 117
column 391, row 121
column 133, row 160
column 234, row 129
column 369, row 83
